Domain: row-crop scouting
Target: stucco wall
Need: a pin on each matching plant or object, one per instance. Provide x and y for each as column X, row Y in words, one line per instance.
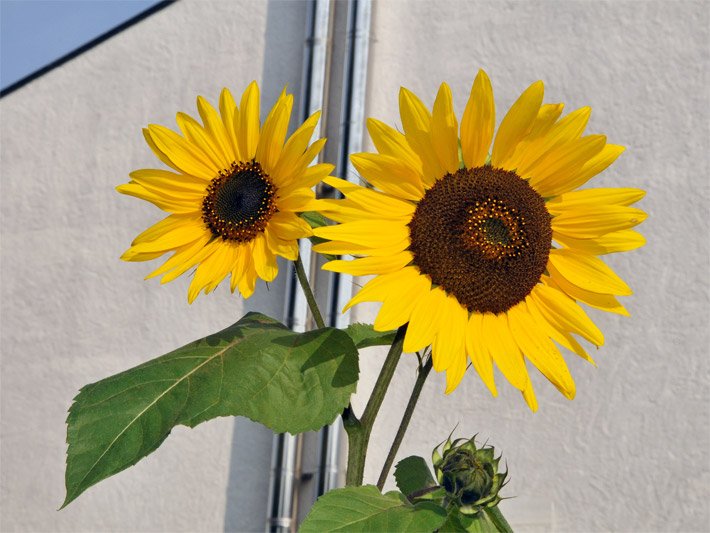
column 629, row 453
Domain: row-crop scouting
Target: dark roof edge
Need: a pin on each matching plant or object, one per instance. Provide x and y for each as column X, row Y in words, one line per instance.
column 85, row 47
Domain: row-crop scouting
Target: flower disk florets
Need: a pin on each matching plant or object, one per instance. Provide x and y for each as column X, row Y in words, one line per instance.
column 469, row 475
column 239, row 202
column 484, row 236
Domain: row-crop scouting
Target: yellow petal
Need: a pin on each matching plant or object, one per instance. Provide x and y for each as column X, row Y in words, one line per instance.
column 274, row 132
column 529, row 396
column 552, row 328
column 415, row 116
column 310, row 177
column 296, row 145
column 568, row 129
column 247, row 131
column 185, row 156
column 591, row 168
column 182, row 254
column 247, row 283
column 424, row 321
column 215, row 127
column 347, row 248
column 481, row 359
column 161, row 155
column 155, row 180
column 295, row 174
column 264, row 259
column 196, row 134
column 179, row 235
column 164, row 226
column 240, row 257
column 540, row 350
column 432, row 169
column 594, row 197
column 377, row 289
column 390, row 142
column 588, row 272
column 288, row 226
column 370, row 265
column 516, row 124
column 450, row 342
column 171, row 204
column 366, row 232
column 595, row 221
column 567, row 313
column 372, row 200
column 390, row 174
column 397, row 308
column 444, row 130
column 478, row 122
column 190, row 261
column 605, row 302
column 285, row 248
column 210, row 272
column 497, row 339
column 618, row 241
column 562, row 161
column 227, row 110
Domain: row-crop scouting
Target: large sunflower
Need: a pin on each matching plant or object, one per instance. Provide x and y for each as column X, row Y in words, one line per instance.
column 485, row 256
column 234, row 195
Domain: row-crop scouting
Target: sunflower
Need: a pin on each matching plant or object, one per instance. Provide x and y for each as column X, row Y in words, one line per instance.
column 485, row 256
column 234, row 196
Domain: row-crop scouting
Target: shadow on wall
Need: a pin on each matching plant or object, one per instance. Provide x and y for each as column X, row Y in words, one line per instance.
column 249, row 469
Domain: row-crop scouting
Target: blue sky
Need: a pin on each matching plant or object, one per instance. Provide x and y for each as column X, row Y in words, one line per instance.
column 34, row 33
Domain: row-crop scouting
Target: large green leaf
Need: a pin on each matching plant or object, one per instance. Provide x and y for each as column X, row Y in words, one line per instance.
column 412, row 474
column 366, row 509
column 364, row 335
column 256, row 368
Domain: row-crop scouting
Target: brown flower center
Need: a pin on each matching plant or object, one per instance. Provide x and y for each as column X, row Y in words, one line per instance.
column 239, row 202
column 484, row 236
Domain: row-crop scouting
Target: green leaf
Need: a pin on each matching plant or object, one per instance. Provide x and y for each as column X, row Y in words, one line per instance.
column 366, row 509
column 256, row 368
column 412, row 474
column 314, row 219
column 364, row 335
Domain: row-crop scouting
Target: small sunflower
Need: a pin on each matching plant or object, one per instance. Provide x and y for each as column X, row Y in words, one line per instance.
column 485, row 256
column 234, row 196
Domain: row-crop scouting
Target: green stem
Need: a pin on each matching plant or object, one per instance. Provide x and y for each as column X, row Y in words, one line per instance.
column 422, row 374
column 308, row 293
column 498, row 519
column 359, row 430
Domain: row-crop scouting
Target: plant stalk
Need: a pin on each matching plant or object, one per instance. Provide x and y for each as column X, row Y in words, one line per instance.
column 359, row 430
column 308, row 293
column 422, row 374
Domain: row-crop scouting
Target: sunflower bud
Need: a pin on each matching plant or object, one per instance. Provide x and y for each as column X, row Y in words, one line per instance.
column 469, row 475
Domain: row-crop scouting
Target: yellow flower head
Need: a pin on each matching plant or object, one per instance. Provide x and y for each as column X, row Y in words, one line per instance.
column 485, row 256
column 234, row 195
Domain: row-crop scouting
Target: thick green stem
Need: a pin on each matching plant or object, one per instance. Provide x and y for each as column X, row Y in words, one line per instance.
column 359, row 430
column 422, row 374
column 308, row 293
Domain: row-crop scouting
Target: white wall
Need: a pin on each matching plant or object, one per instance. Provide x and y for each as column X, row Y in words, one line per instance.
column 629, row 453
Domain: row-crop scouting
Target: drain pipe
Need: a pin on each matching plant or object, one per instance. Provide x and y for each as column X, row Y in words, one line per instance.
column 286, row 475
column 286, row 448
column 352, row 115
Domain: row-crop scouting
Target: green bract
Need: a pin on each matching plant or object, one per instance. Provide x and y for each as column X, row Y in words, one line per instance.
column 469, row 475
